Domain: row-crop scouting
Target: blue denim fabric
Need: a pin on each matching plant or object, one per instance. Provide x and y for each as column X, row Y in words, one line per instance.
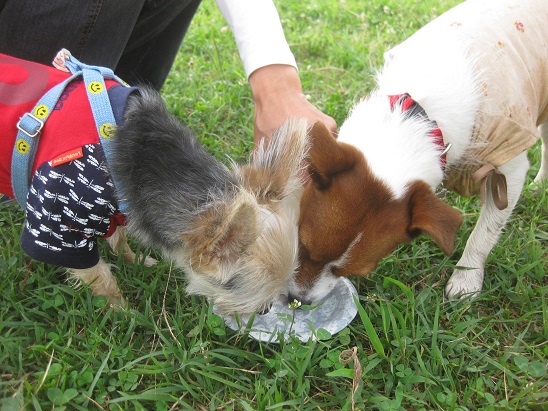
column 138, row 39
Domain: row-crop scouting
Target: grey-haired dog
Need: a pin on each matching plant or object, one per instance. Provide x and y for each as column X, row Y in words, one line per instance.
column 232, row 231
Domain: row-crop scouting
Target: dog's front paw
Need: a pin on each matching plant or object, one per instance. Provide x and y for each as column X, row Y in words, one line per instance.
column 464, row 283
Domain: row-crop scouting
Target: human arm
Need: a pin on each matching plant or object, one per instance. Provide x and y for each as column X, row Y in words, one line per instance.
column 277, row 95
column 269, row 65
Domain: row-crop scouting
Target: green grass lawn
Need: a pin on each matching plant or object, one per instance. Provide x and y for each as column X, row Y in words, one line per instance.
column 61, row 349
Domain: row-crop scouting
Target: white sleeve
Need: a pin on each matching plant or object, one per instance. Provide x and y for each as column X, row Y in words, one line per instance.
column 258, row 31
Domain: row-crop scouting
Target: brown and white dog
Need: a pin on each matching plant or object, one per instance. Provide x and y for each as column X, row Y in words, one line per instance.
column 458, row 103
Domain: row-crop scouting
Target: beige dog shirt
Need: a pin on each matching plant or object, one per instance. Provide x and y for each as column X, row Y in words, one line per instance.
column 512, row 71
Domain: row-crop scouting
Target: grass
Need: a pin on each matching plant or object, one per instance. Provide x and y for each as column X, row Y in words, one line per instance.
column 61, row 349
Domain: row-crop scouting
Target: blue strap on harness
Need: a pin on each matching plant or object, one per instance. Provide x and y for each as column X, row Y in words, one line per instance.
column 31, row 124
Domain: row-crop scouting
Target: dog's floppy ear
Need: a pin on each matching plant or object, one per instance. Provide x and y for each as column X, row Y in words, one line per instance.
column 327, row 156
column 433, row 217
column 223, row 231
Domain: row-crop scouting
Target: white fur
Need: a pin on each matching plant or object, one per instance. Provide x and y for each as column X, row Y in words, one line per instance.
column 439, row 73
column 395, row 148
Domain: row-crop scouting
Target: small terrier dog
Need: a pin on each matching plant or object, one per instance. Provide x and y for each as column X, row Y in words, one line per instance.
column 233, row 231
column 458, row 103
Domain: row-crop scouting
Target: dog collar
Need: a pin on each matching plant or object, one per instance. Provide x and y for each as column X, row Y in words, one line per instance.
column 31, row 124
column 414, row 109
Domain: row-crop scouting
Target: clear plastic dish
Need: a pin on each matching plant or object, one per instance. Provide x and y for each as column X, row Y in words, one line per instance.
column 336, row 310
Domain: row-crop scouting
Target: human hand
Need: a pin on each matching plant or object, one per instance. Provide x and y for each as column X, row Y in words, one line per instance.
column 277, row 95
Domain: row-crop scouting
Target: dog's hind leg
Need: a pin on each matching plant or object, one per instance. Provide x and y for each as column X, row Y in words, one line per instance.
column 100, row 280
column 543, row 172
column 467, row 280
column 118, row 243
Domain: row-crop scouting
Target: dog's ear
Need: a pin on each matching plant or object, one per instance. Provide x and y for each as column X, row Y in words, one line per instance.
column 433, row 217
column 223, row 231
column 327, row 156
